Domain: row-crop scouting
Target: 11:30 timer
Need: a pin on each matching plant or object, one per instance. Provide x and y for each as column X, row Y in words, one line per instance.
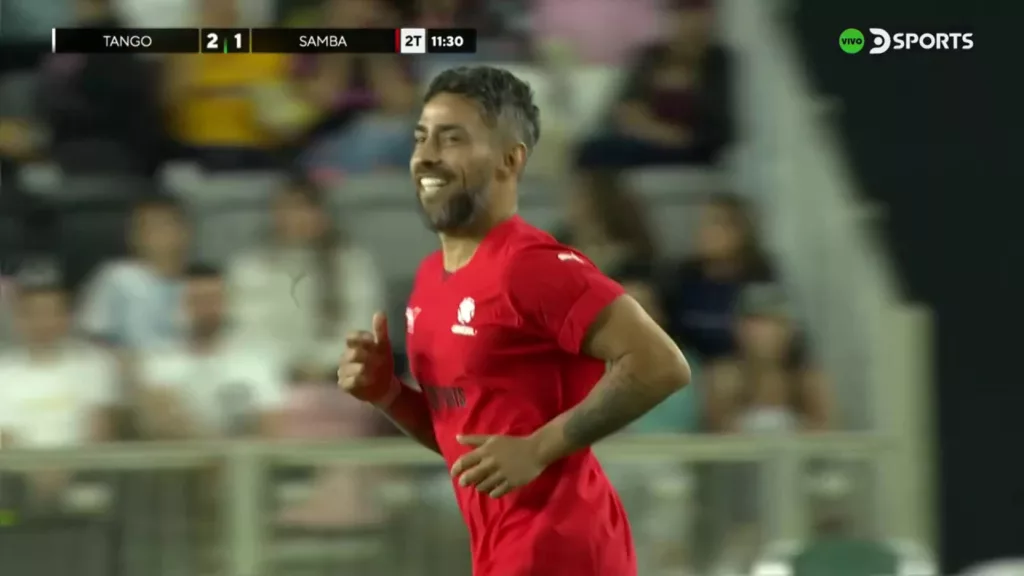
column 451, row 40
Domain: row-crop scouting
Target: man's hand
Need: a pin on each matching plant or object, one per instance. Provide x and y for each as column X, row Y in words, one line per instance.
column 367, row 369
column 498, row 464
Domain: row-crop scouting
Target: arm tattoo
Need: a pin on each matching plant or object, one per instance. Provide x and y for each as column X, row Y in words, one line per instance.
column 616, row 400
column 410, row 413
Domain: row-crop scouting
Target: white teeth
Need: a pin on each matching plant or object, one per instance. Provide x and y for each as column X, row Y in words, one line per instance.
column 432, row 184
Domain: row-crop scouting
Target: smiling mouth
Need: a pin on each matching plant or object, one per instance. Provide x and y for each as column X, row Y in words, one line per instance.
column 431, row 185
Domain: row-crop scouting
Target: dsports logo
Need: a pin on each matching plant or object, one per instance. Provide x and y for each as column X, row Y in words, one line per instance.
column 852, row 41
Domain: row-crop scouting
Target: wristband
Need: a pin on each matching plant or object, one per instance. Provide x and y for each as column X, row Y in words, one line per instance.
column 394, row 389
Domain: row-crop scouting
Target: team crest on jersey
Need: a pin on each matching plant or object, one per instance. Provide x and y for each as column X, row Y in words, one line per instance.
column 410, row 318
column 464, row 315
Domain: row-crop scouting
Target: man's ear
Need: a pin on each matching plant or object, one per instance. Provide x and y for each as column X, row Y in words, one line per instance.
column 514, row 162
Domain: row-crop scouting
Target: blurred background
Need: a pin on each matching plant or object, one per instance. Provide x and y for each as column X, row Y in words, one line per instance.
column 185, row 240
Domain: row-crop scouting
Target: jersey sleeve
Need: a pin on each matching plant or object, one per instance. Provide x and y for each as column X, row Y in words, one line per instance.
column 559, row 292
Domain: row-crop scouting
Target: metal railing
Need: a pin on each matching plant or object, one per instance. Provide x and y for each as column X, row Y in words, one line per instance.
column 246, row 469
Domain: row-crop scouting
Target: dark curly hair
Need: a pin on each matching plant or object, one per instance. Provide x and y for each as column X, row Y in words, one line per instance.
column 505, row 101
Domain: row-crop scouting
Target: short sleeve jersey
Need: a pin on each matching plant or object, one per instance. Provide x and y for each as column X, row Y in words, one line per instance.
column 496, row 349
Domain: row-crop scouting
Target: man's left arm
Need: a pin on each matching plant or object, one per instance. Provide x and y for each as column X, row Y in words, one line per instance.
column 644, row 368
column 564, row 297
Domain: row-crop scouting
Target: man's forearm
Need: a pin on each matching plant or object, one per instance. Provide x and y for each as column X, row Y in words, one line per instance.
column 410, row 412
column 629, row 389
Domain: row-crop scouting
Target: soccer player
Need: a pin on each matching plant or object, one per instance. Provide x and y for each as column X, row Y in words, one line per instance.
column 525, row 354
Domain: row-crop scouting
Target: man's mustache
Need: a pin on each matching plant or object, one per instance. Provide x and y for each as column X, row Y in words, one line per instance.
column 441, row 172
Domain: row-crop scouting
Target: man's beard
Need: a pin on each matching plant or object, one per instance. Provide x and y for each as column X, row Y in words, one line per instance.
column 459, row 212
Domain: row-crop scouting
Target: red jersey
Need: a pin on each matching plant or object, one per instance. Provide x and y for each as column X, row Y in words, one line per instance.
column 495, row 346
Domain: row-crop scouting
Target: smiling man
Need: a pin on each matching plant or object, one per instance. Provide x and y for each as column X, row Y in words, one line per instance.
column 509, row 336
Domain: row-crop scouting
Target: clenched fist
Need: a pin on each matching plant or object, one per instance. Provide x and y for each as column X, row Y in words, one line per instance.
column 367, row 369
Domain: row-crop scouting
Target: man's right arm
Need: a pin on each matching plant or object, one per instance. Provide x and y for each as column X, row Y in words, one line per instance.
column 409, row 412
column 367, row 372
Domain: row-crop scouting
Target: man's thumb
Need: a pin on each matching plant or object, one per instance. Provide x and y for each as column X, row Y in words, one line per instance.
column 380, row 328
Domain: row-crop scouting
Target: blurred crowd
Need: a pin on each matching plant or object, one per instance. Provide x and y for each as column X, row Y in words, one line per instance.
column 334, row 114
column 136, row 340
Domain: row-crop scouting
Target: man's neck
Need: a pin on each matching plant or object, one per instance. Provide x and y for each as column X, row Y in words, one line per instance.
column 457, row 251
column 458, row 248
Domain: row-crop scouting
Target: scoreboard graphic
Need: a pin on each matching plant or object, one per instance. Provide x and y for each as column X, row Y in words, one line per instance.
column 263, row 40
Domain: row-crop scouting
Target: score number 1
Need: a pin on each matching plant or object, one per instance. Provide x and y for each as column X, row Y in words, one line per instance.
column 225, row 40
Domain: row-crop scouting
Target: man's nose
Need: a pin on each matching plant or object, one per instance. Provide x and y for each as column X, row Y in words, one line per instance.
column 425, row 165
column 425, row 156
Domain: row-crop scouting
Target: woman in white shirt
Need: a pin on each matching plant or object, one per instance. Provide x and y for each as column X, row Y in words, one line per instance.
column 307, row 287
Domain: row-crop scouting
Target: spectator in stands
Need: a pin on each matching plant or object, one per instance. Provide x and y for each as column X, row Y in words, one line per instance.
column 103, row 112
column 54, row 392
column 213, row 101
column 136, row 303
column 607, row 223
column 770, row 386
column 216, row 383
column 309, row 286
column 349, row 112
column 675, row 105
column 701, row 293
column 582, row 28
